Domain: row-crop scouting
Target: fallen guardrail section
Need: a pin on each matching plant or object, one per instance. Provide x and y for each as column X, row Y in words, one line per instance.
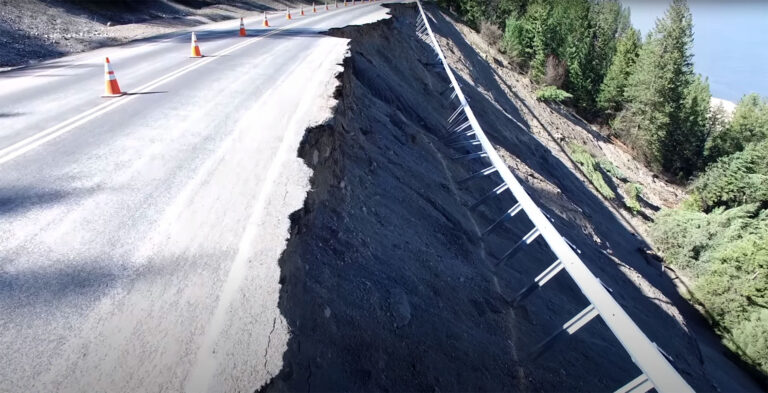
column 464, row 130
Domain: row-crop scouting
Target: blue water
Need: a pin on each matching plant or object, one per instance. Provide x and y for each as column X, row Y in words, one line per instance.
column 730, row 42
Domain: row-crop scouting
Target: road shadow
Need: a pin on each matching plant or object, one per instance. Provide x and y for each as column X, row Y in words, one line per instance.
column 20, row 199
column 55, row 286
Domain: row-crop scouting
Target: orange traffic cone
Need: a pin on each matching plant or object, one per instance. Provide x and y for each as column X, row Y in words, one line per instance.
column 195, row 48
column 242, row 28
column 314, row 9
column 302, row 10
column 288, row 14
column 112, row 89
column 266, row 21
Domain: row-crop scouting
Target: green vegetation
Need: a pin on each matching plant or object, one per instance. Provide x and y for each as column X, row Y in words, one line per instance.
column 725, row 252
column 749, row 124
column 633, row 191
column 552, row 93
column 580, row 36
column 667, row 104
column 591, row 169
column 612, row 97
column 719, row 237
column 735, row 180
column 612, row 169
column 648, row 91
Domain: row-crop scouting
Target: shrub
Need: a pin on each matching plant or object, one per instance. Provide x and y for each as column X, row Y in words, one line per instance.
column 683, row 236
column 726, row 254
column 751, row 337
column 736, row 179
column 552, row 93
column 633, row 191
column 612, row 169
column 590, row 167
column 490, row 32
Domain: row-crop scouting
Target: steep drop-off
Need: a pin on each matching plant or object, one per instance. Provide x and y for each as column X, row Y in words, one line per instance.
column 387, row 283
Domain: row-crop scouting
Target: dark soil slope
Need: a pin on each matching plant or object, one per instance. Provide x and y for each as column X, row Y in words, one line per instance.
column 387, row 284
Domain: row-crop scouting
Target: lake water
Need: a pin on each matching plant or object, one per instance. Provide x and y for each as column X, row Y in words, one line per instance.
column 730, row 42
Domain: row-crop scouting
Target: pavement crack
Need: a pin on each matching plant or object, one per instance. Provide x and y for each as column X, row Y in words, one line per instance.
column 266, row 350
column 309, row 377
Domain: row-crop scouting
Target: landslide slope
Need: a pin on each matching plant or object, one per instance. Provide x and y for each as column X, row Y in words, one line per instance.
column 387, row 283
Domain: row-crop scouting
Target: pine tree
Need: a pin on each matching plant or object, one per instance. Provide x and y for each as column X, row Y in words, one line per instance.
column 471, row 10
column 608, row 21
column 612, row 90
column 749, row 124
column 573, row 39
column 500, row 10
column 662, row 113
column 689, row 140
column 718, row 120
column 538, row 19
column 517, row 42
column 646, row 113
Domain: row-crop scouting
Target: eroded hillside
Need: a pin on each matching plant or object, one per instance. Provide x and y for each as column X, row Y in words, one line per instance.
column 387, row 283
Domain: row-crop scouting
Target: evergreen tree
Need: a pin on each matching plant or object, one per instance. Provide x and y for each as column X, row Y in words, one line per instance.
column 517, row 42
column 541, row 37
column 608, row 21
column 471, row 10
column 612, row 90
column 646, row 114
column 661, row 116
column 689, row 140
column 749, row 124
column 573, row 39
column 499, row 11
column 736, row 179
column 718, row 120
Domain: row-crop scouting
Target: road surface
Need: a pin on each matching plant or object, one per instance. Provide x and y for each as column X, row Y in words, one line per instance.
column 139, row 236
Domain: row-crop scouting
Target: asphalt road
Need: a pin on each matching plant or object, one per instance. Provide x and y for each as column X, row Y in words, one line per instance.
column 139, row 236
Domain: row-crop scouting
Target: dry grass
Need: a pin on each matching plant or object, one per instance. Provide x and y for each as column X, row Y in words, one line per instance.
column 490, row 32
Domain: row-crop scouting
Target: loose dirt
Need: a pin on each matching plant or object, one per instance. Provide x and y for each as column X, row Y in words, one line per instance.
column 387, row 283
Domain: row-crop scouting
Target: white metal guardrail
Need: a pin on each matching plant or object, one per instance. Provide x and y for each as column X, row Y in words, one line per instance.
column 656, row 371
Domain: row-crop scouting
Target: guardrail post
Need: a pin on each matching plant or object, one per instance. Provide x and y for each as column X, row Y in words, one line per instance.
column 504, row 218
column 538, row 282
column 527, row 239
column 496, row 191
column 471, row 156
column 640, row 384
column 484, row 172
column 570, row 327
